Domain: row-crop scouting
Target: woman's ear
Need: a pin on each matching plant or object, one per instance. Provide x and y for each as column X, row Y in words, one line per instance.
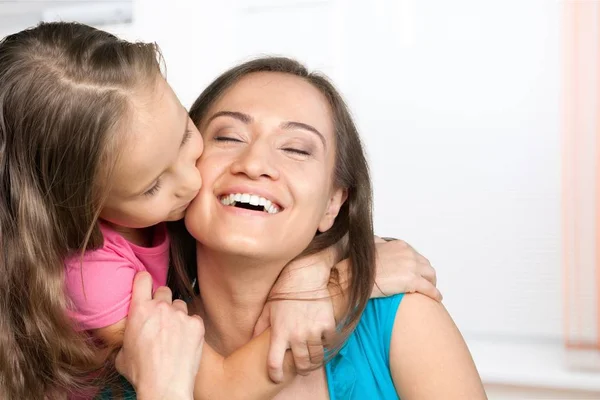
column 338, row 197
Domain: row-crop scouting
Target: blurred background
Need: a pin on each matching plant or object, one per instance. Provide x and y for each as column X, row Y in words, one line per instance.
column 481, row 124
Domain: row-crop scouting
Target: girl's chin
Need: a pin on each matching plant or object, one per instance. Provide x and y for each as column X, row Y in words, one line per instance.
column 177, row 216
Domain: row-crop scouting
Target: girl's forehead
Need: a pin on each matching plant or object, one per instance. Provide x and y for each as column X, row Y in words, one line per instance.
column 152, row 138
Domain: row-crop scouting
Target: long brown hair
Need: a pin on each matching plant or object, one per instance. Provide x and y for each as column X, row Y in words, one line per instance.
column 64, row 97
column 353, row 225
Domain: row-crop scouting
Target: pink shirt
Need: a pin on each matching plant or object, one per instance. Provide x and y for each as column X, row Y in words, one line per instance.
column 101, row 290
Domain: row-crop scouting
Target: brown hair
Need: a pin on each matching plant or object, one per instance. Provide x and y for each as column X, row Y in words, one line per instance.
column 64, row 95
column 354, row 224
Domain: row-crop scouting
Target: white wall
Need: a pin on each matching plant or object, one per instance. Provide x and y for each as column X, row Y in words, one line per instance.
column 16, row 15
column 458, row 103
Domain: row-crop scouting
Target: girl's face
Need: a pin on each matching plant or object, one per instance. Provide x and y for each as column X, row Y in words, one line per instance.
column 267, row 169
column 155, row 177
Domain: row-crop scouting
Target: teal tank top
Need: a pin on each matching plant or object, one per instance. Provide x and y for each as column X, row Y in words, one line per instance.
column 361, row 370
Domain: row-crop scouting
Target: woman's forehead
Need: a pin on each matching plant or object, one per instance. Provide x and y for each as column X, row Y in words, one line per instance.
column 273, row 93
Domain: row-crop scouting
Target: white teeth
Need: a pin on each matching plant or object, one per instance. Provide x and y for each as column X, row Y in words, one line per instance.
column 226, row 200
column 252, row 199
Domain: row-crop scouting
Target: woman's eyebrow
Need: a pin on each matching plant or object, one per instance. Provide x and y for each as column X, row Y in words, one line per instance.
column 245, row 118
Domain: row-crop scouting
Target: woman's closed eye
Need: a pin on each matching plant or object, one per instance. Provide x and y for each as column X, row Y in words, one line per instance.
column 227, row 139
column 298, row 148
column 297, row 151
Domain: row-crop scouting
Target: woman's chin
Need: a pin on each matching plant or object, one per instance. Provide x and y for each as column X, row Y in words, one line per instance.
column 249, row 247
column 245, row 247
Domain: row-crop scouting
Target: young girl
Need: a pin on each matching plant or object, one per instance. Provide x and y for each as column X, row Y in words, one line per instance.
column 96, row 154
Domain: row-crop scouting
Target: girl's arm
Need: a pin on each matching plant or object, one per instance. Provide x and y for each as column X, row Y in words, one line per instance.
column 304, row 302
column 242, row 375
column 429, row 358
column 264, row 366
column 400, row 269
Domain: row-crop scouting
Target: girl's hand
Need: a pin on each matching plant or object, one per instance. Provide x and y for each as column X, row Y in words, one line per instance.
column 401, row 269
column 300, row 313
column 162, row 345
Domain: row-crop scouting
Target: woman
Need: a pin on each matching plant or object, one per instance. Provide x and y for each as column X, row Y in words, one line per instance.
column 273, row 130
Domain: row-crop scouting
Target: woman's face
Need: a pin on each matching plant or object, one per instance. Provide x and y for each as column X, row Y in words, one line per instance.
column 267, row 169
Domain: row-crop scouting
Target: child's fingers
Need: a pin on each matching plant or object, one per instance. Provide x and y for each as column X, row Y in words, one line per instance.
column 425, row 287
column 316, row 353
column 275, row 358
column 427, row 271
column 301, row 357
column 180, row 305
column 142, row 287
column 163, row 293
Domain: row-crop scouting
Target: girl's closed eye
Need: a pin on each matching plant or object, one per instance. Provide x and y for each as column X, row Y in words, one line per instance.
column 186, row 137
column 153, row 190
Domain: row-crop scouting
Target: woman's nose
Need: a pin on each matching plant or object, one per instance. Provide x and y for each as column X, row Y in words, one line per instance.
column 256, row 161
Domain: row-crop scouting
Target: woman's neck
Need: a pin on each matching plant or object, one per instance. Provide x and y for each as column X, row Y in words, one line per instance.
column 233, row 292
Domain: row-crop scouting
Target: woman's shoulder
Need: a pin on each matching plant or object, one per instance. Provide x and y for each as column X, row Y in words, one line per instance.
column 373, row 332
column 377, row 321
column 425, row 342
column 361, row 368
column 383, row 305
column 382, row 316
column 381, row 311
column 418, row 308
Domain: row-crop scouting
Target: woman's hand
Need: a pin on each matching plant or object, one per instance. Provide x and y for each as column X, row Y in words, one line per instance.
column 401, row 269
column 162, row 345
column 300, row 313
